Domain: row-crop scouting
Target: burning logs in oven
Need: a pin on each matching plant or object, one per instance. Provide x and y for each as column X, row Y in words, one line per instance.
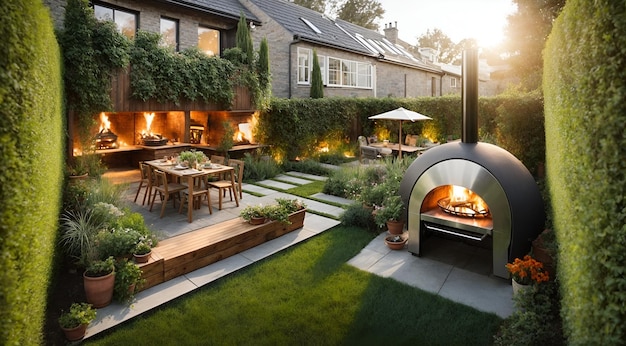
column 106, row 139
column 464, row 208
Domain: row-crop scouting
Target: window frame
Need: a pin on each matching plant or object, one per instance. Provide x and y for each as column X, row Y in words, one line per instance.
column 219, row 39
column 453, row 83
column 176, row 33
column 303, row 70
column 115, row 9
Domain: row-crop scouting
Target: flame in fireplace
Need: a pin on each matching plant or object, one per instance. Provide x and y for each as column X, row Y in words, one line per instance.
column 243, row 133
column 105, row 124
column 149, row 118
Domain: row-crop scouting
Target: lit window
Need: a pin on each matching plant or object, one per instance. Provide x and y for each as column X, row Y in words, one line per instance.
column 304, row 66
column 169, row 33
column 209, row 41
column 126, row 21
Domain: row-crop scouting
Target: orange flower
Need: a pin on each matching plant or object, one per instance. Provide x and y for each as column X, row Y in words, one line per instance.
column 527, row 271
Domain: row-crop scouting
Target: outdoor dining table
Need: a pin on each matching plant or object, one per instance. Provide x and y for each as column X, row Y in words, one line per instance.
column 394, row 146
column 190, row 174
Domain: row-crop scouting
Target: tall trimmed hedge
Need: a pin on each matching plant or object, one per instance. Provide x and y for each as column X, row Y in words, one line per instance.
column 585, row 92
column 295, row 127
column 31, row 135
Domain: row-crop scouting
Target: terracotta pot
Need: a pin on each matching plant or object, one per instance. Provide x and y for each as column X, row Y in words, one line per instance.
column 99, row 290
column 142, row 258
column 395, row 227
column 76, row 333
column 257, row 221
column 394, row 245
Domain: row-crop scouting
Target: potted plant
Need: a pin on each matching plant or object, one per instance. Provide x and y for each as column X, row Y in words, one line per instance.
column 390, row 214
column 99, row 280
column 191, row 158
column 142, row 251
column 117, row 242
column 395, row 242
column 127, row 280
column 75, row 321
column 526, row 272
column 254, row 214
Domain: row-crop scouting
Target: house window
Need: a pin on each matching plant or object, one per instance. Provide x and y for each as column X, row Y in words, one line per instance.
column 169, row 32
column 349, row 73
column 304, row 66
column 125, row 20
column 452, row 82
column 209, row 41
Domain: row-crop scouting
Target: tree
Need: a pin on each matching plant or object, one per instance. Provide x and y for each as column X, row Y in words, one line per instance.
column 244, row 39
column 526, row 32
column 364, row 13
column 315, row 5
column 317, row 86
column 436, row 39
column 263, row 65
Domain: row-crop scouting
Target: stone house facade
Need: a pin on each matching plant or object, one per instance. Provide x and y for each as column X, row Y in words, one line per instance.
column 355, row 62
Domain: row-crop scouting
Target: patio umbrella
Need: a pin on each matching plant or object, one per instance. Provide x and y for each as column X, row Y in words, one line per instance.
column 400, row 114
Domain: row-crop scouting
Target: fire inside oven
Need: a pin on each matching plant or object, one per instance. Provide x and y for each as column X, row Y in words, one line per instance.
column 457, row 211
column 105, row 139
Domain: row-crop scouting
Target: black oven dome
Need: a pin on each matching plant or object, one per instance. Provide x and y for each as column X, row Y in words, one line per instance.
column 520, row 201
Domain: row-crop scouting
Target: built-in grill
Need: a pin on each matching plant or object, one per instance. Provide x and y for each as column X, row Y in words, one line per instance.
column 501, row 205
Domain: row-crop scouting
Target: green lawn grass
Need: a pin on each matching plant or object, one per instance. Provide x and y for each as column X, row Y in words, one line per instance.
column 308, row 295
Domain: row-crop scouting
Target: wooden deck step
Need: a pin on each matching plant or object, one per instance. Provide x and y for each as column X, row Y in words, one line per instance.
column 187, row 252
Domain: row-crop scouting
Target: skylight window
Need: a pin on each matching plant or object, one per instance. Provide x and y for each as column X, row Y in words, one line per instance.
column 393, row 47
column 311, row 25
column 361, row 40
column 380, row 50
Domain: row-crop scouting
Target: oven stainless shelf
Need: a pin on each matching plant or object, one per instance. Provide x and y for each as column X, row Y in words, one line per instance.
column 472, row 228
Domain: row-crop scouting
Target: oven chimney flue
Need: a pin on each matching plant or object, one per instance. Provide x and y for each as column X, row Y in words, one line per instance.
column 469, row 96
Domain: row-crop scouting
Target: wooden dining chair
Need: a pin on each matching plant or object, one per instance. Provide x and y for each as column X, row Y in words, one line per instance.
column 145, row 182
column 165, row 190
column 200, row 189
column 225, row 184
column 220, row 160
column 238, row 166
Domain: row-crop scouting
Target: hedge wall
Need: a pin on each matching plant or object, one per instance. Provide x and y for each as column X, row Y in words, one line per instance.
column 31, row 150
column 585, row 88
column 295, row 127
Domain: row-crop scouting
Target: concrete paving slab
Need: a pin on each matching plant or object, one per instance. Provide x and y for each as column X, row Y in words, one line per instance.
column 292, row 180
column 334, row 199
column 276, row 184
column 307, row 176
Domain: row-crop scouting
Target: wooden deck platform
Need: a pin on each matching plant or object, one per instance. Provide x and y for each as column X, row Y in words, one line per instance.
column 187, row 252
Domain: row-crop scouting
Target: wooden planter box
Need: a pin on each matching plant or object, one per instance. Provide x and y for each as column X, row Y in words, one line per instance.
column 187, row 252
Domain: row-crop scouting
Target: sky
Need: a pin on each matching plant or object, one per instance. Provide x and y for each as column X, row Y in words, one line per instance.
column 484, row 20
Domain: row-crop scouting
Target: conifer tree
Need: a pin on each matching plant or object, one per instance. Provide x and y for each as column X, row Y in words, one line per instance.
column 244, row 39
column 263, row 65
column 317, row 86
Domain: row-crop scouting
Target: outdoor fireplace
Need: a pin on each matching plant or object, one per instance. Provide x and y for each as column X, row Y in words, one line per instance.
column 105, row 139
column 149, row 138
column 501, row 206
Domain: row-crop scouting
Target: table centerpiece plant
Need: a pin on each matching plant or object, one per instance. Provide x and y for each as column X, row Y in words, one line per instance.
column 191, row 158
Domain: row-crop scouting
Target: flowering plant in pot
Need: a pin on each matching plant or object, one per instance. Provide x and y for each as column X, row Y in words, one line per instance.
column 390, row 214
column 253, row 212
column 527, row 271
column 75, row 321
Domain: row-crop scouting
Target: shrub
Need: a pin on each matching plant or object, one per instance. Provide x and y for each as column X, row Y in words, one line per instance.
column 127, row 274
column 117, row 242
column 257, row 169
column 358, row 216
